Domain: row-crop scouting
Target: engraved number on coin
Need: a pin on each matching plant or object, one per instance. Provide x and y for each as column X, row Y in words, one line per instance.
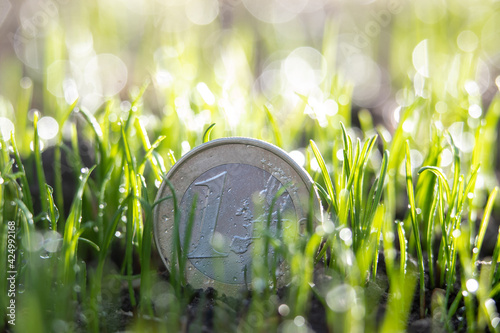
column 228, row 196
column 215, row 187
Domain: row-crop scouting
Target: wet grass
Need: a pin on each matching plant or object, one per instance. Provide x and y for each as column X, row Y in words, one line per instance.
column 409, row 200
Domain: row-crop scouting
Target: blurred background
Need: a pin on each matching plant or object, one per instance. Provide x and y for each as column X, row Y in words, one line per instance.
column 310, row 63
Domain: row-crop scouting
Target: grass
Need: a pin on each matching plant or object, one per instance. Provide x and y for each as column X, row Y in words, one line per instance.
column 408, row 189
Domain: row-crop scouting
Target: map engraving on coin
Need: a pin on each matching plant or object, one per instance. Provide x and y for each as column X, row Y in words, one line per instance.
column 238, row 187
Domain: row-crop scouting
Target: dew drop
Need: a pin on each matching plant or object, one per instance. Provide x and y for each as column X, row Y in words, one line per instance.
column 472, row 285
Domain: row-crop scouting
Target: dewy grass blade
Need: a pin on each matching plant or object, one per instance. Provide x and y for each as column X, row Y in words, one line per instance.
column 135, row 105
column 484, row 224
column 488, row 137
column 429, row 237
column 274, row 126
column 206, row 135
column 71, row 229
column 401, row 292
column 187, row 237
column 53, row 213
column 39, row 167
column 176, row 275
column 134, row 217
column 145, row 255
column 171, row 157
column 378, row 221
column 307, row 275
column 28, row 225
column 456, row 170
column 58, row 182
column 347, row 142
column 380, row 183
column 131, row 175
column 326, row 176
column 129, row 248
column 74, row 152
column 494, row 262
column 25, row 187
column 22, row 109
column 149, row 150
column 109, row 232
column 103, row 158
column 442, row 178
column 416, row 231
column 402, row 247
column 102, row 205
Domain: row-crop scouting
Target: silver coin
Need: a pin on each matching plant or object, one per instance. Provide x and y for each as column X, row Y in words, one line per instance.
column 238, row 187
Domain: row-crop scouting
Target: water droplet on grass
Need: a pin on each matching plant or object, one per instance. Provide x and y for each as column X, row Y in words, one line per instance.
column 472, row 285
column 284, row 310
column 299, row 321
column 341, row 298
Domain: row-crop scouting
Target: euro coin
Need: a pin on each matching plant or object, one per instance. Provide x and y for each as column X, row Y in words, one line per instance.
column 227, row 203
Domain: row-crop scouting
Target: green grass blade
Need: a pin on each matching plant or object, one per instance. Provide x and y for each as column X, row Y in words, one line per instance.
column 39, row 167
column 429, row 237
column 58, row 182
column 442, row 178
column 53, row 213
column 206, row 135
column 274, row 126
column 145, row 255
column 494, row 261
column 380, row 187
column 456, row 170
column 25, row 187
column 402, row 247
column 484, row 224
column 416, row 231
column 378, row 221
column 149, row 150
column 103, row 158
column 71, row 230
column 326, row 176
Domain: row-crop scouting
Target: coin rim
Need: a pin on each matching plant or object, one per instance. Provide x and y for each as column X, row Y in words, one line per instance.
column 279, row 152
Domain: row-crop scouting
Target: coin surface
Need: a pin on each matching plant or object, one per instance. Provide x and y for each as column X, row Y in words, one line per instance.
column 227, row 192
